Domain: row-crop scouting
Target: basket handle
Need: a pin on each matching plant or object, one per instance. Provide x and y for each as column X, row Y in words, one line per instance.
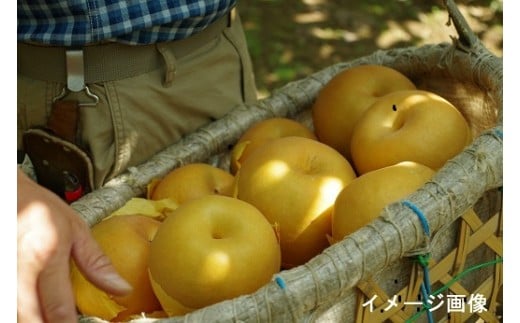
column 467, row 37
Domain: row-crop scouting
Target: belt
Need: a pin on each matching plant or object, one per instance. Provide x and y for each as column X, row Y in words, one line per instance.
column 110, row 61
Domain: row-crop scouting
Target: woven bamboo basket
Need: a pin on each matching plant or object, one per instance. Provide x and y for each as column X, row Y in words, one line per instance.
column 374, row 274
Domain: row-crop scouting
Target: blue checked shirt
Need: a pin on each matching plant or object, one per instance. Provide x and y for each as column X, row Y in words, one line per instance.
column 80, row 22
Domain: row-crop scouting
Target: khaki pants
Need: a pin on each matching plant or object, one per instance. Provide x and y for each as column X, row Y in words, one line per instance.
column 138, row 116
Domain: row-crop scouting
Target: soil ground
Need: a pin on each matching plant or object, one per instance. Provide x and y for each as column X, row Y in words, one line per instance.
column 290, row 39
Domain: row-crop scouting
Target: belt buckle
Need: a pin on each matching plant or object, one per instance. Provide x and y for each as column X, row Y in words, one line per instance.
column 75, row 68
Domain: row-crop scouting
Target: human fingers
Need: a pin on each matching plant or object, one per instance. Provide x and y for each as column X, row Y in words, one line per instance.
column 45, row 238
column 28, row 306
column 44, row 246
column 55, row 290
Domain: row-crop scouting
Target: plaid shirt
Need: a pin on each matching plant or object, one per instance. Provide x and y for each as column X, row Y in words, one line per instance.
column 80, row 22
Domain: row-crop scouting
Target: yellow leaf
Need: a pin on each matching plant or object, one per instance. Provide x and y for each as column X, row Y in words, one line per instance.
column 154, row 209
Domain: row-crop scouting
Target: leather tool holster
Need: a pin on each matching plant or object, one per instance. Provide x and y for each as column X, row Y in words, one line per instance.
column 59, row 163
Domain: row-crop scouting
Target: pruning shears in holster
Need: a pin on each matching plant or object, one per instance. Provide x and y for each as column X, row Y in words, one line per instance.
column 54, row 149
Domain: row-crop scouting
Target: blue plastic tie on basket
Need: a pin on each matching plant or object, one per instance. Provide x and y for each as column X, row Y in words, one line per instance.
column 280, row 282
column 420, row 215
column 423, row 259
column 499, row 133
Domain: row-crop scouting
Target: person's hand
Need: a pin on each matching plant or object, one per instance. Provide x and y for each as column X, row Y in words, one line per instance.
column 50, row 234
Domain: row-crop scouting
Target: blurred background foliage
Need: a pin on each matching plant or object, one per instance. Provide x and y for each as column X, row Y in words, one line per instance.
column 290, row 39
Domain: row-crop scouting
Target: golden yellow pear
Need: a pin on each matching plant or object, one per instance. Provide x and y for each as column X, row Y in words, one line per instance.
column 364, row 198
column 192, row 181
column 211, row 249
column 412, row 125
column 263, row 132
column 346, row 97
column 125, row 239
column 294, row 182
